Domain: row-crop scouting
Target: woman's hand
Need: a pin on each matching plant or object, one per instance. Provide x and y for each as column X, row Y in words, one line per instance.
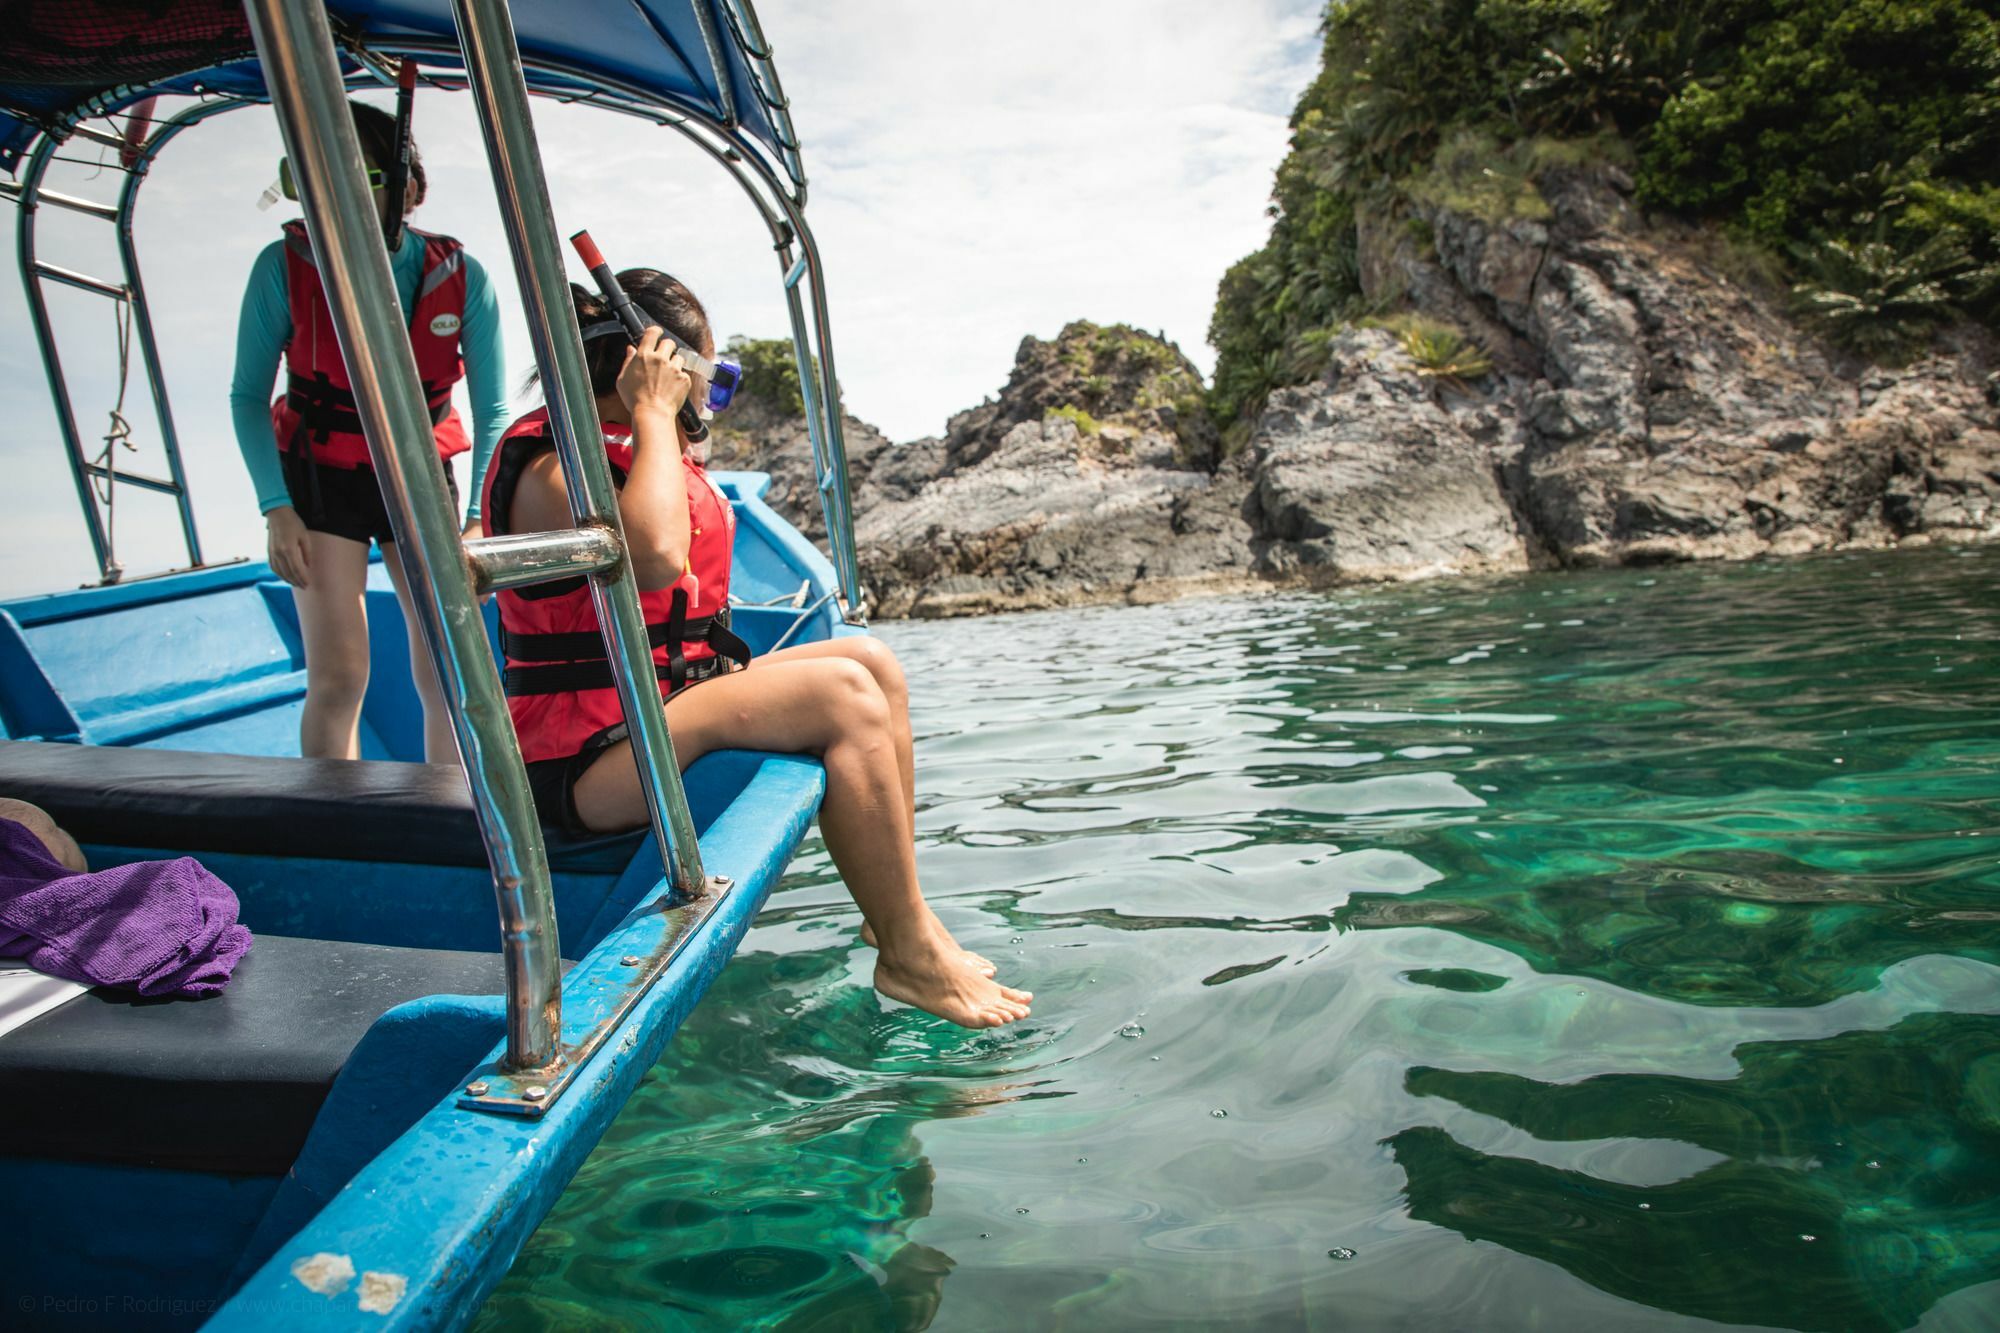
column 654, row 379
column 286, row 533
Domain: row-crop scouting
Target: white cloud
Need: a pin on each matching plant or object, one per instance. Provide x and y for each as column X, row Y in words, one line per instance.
column 977, row 173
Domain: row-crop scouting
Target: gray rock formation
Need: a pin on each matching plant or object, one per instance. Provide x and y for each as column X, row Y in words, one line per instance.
column 1660, row 410
column 1085, row 481
column 1365, row 476
column 1642, row 407
column 754, row 436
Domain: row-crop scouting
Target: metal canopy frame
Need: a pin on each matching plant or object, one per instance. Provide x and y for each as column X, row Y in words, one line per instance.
column 779, row 201
column 308, row 89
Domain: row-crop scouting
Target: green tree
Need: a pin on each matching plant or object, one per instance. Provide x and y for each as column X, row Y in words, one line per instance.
column 1826, row 108
column 1856, row 123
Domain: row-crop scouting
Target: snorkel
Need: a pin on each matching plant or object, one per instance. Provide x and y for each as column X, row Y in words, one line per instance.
column 394, row 178
column 399, row 174
column 724, row 377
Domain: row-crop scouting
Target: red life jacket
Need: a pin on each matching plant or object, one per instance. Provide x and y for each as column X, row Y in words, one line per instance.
column 317, row 411
column 557, row 677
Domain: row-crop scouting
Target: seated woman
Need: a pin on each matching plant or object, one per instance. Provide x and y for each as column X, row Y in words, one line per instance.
column 844, row 701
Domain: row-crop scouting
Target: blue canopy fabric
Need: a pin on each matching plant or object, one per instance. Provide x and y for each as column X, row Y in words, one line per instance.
column 61, row 60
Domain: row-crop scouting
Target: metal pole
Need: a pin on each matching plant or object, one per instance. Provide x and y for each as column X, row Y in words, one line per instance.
column 500, row 90
column 837, row 503
column 149, row 350
column 522, row 558
column 45, row 340
column 295, row 49
column 725, row 95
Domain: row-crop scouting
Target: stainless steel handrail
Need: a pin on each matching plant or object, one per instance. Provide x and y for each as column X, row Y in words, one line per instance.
column 296, row 51
column 519, row 559
column 500, row 91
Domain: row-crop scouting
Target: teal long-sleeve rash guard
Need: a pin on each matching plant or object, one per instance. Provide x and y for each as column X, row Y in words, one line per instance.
column 266, row 326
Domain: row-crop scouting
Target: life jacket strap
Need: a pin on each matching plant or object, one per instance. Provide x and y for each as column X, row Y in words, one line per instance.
column 324, row 408
column 576, row 677
column 584, row 645
column 576, row 660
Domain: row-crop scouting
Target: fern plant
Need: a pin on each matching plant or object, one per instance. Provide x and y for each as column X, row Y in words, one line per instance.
column 1442, row 352
column 1877, row 300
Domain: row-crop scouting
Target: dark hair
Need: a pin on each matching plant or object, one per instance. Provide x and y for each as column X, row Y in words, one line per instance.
column 376, row 129
column 664, row 297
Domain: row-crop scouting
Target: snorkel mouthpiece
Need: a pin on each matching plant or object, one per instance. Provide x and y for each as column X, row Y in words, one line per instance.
column 635, row 320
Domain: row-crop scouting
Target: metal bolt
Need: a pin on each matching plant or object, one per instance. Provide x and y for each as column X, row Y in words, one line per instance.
column 534, row 1092
column 478, row 1087
column 631, row 960
column 721, row 881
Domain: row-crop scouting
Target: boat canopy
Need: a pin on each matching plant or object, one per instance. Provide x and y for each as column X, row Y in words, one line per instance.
column 699, row 67
column 61, row 63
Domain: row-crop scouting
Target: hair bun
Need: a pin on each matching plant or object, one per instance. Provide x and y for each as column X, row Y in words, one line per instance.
column 589, row 305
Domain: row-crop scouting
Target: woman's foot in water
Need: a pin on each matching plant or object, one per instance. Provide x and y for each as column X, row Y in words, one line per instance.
column 983, row 965
column 930, row 972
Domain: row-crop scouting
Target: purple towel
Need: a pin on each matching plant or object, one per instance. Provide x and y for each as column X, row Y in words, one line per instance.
column 157, row 927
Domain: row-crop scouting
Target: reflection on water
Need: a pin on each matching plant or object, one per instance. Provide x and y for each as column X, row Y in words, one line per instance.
column 1637, row 927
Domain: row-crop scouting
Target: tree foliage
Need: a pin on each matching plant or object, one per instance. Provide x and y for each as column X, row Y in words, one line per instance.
column 1812, row 123
column 770, row 373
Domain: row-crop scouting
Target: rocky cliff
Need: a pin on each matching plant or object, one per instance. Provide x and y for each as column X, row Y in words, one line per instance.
column 1577, row 385
column 1642, row 406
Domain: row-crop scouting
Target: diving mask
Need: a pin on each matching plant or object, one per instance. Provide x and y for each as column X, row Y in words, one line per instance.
column 286, row 187
column 724, row 377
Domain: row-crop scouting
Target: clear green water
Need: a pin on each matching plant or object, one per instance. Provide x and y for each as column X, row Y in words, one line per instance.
column 1613, row 951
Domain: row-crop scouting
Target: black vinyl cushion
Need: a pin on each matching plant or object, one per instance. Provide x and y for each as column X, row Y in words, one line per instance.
column 346, row 810
column 230, row 1083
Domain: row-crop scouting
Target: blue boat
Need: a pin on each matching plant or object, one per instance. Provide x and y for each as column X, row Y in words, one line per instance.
column 365, row 1126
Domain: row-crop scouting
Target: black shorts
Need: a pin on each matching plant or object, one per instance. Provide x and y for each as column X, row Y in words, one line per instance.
column 342, row 501
column 553, row 783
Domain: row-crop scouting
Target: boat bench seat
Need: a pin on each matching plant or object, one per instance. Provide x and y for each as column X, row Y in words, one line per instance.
column 258, row 805
column 230, row 1083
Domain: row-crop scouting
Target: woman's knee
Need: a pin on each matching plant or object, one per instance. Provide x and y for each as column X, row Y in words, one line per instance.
column 881, row 663
column 854, row 697
column 338, row 672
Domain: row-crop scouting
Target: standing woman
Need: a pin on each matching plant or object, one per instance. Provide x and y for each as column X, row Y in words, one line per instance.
column 309, row 460
column 844, row 700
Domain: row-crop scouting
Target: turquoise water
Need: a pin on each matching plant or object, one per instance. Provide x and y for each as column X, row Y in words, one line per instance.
column 1608, row 951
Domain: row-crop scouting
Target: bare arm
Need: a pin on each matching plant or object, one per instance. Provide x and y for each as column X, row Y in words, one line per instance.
column 654, row 504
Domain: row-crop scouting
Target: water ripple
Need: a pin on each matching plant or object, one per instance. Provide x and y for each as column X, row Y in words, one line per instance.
column 1637, row 924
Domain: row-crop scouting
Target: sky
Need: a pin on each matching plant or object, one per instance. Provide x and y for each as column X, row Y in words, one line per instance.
column 977, row 174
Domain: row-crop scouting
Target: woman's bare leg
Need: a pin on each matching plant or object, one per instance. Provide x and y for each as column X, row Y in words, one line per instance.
column 881, row 664
column 333, row 621
column 834, row 709
column 440, row 744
